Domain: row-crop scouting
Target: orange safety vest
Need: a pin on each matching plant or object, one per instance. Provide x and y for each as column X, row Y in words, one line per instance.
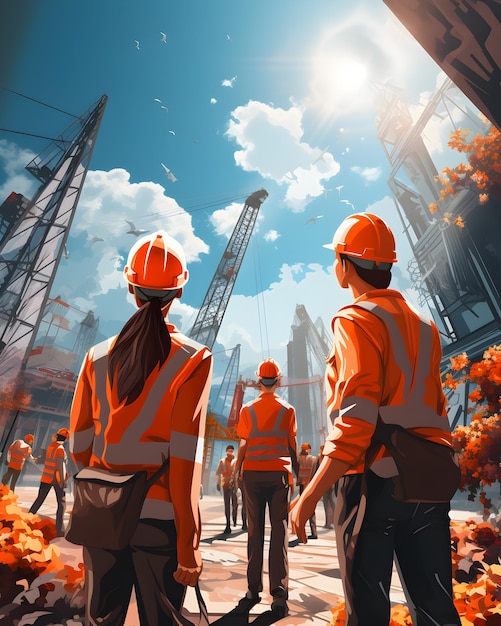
column 225, row 470
column 267, row 423
column 50, row 473
column 306, row 466
column 166, row 420
column 19, row 451
column 385, row 360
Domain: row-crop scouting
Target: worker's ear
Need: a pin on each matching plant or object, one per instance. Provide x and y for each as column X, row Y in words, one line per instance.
column 131, row 288
column 179, row 293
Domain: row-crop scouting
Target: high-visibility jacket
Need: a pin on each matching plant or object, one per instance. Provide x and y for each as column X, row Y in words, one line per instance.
column 19, row 451
column 225, row 469
column 167, row 419
column 307, row 465
column 268, row 424
column 385, row 359
column 54, row 468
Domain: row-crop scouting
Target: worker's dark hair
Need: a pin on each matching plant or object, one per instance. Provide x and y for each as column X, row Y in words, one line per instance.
column 230, row 447
column 143, row 344
column 268, row 382
column 60, row 438
column 377, row 278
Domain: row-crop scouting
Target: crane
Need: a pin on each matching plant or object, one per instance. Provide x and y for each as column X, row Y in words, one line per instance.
column 211, row 313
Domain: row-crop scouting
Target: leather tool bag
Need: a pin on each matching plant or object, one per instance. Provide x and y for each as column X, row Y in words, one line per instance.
column 427, row 471
column 107, row 506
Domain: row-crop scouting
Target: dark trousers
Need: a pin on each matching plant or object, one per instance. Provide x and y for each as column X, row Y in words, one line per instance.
column 328, row 501
column 313, row 518
column 11, row 475
column 416, row 535
column 230, row 504
column 267, row 489
column 43, row 492
column 148, row 564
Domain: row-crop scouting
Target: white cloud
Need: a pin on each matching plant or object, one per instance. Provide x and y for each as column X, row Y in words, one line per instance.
column 271, row 144
column 228, row 82
column 213, row 100
column 224, row 220
column 271, row 235
column 13, row 160
column 369, row 174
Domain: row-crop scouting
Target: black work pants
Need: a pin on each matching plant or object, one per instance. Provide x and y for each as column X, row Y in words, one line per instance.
column 148, row 564
column 270, row 489
column 313, row 518
column 230, row 504
column 416, row 535
column 43, row 492
column 11, row 475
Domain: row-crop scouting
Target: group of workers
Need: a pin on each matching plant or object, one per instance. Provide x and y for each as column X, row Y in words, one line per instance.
column 142, row 397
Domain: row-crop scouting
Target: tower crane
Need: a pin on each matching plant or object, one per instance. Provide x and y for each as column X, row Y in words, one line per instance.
column 216, row 299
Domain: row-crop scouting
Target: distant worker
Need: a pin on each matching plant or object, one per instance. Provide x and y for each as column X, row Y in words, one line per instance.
column 225, row 481
column 307, row 467
column 384, row 365
column 141, row 397
column 54, row 475
column 267, row 451
column 18, row 452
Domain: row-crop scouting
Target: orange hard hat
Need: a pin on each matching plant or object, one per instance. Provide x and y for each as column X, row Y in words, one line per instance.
column 29, row 438
column 367, row 237
column 268, row 369
column 157, row 262
column 64, row 432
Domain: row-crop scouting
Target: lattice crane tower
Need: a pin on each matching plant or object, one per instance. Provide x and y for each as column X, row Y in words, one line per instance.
column 29, row 257
column 216, row 299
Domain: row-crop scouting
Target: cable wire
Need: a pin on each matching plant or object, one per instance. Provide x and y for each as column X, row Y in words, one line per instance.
column 19, row 132
column 49, row 106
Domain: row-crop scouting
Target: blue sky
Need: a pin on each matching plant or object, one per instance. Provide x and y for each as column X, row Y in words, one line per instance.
column 238, row 97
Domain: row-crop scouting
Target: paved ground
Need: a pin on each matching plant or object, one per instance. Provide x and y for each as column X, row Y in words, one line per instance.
column 314, row 586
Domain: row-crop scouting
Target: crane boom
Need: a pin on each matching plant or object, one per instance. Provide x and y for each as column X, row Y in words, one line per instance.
column 216, row 299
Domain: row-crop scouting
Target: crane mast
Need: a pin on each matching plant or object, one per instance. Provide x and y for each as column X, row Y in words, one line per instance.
column 211, row 313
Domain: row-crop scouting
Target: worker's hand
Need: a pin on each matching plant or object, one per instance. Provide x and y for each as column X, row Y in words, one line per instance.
column 302, row 509
column 187, row 576
column 218, row 487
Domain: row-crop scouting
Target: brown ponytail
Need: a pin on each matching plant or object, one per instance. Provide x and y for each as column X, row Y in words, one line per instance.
column 143, row 343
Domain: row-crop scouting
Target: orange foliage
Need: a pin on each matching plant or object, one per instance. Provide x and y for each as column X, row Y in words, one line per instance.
column 26, row 552
column 482, row 172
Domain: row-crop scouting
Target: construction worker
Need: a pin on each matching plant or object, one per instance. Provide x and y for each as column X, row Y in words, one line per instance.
column 225, row 481
column 18, row 452
column 142, row 397
column 54, row 475
column 385, row 361
column 307, row 467
column 267, row 431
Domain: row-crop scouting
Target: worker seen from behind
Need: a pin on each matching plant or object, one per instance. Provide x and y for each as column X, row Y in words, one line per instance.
column 19, row 451
column 141, row 397
column 307, row 467
column 385, row 361
column 225, row 481
column 267, row 431
column 54, row 476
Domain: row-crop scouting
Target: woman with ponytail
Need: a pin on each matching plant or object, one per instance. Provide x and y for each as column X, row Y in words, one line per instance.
column 141, row 398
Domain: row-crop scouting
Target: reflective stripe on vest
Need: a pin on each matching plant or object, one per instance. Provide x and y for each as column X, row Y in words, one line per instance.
column 257, row 451
column 50, row 467
column 17, row 456
column 305, row 468
column 414, row 413
column 130, row 450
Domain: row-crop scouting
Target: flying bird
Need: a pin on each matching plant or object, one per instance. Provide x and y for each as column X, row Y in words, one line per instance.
column 321, row 156
column 158, row 100
column 164, row 107
column 314, row 219
column 137, row 44
column 172, row 132
column 133, row 230
column 170, row 175
column 228, row 82
column 95, row 239
column 164, row 37
column 66, row 253
column 291, row 176
column 339, row 187
column 348, row 203
column 228, row 38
